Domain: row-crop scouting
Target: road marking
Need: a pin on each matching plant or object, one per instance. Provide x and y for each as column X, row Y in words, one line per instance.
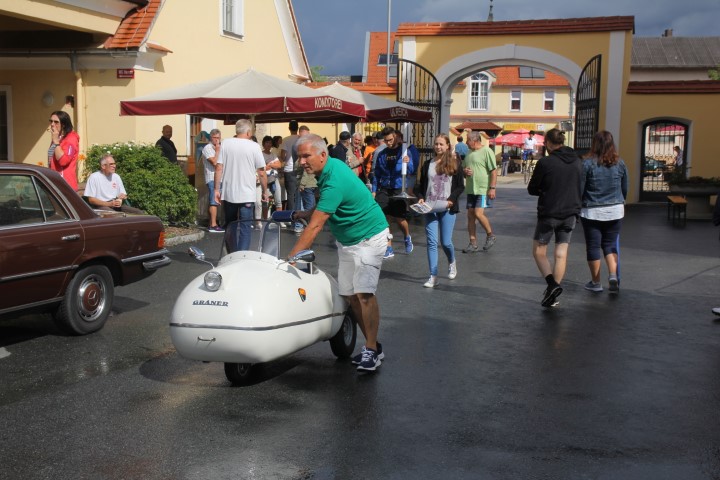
column 4, row 353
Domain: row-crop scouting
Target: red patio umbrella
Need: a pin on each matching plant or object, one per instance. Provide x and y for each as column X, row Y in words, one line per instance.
column 516, row 138
column 250, row 94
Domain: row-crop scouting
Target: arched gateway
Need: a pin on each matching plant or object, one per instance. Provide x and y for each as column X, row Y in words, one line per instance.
column 591, row 53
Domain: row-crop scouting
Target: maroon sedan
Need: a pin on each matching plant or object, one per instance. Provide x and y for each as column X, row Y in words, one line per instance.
column 58, row 254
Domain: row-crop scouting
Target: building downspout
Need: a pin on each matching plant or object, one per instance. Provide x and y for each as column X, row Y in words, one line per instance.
column 80, row 121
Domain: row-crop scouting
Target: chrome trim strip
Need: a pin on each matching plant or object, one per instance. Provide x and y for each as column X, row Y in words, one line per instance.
column 37, row 274
column 31, row 305
column 144, row 256
column 257, row 329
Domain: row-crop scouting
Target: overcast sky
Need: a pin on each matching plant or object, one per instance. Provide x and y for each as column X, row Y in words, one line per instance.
column 333, row 31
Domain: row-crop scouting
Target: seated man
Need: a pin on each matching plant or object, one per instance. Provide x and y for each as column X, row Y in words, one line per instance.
column 105, row 190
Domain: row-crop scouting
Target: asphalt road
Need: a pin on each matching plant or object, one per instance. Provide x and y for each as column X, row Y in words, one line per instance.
column 479, row 381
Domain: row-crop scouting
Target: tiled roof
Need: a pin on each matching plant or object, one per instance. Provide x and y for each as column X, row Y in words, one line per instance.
column 487, row 126
column 378, row 45
column 519, row 27
column 675, row 52
column 510, row 76
column 676, row 87
column 135, row 27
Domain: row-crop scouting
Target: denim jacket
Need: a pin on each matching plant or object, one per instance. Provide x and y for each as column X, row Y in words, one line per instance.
column 603, row 186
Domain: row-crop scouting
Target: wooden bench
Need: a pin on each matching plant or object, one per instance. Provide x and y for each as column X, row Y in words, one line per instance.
column 677, row 210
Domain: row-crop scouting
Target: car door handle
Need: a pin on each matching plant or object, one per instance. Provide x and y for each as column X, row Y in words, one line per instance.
column 67, row 238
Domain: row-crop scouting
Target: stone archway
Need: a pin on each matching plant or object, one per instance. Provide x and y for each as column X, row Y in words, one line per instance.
column 507, row 55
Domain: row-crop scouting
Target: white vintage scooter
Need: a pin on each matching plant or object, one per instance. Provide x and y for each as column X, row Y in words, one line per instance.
column 254, row 307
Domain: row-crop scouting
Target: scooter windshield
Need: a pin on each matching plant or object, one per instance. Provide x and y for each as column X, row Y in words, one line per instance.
column 252, row 235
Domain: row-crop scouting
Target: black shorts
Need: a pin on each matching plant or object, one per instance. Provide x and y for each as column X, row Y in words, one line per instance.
column 393, row 207
column 561, row 229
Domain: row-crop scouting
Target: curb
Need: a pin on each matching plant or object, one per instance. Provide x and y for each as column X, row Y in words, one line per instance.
column 193, row 237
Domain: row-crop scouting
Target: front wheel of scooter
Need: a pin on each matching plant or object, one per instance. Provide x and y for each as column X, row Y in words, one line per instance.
column 343, row 342
column 239, row 373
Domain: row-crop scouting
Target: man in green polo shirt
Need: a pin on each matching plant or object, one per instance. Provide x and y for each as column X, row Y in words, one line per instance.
column 480, row 178
column 361, row 231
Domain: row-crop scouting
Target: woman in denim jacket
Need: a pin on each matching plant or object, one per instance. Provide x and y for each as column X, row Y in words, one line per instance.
column 604, row 187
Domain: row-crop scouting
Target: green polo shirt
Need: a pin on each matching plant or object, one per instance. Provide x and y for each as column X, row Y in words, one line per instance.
column 482, row 162
column 354, row 213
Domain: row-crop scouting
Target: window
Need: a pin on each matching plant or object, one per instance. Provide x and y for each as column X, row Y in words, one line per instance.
column 20, row 203
column 515, row 103
column 232, row 17
column 531, row 72
column 382, row 62
column 549, row 101
column 5, row 132
column 479, row 92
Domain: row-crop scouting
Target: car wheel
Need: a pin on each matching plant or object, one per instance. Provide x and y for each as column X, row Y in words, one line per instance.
column 343, row 342
column 239, row 373
column 88, row 301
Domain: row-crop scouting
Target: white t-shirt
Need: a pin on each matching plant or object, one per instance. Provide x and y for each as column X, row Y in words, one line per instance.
column 272, row 173
column 529, row 143
column 208, row 152
column 104, row 188
column 240, row 157
column 287, row 145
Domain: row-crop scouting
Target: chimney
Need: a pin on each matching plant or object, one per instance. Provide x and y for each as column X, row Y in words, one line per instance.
column 490, row 15
column 667, row 33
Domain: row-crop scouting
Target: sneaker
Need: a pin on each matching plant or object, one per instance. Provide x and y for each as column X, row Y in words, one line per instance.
column 408, row 244
column 370, row 361
column 452, row 270
column 593, row 287
column 389, row 253
column 614, row 285
column 298, row 228
column 550, row 295
column 431, row 282
column 715, row 310
column 216, row 229
column 358, row 358
column 489, row 242
column 471, row 248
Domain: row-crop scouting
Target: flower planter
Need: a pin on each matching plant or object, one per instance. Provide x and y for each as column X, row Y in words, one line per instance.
column 698, row 198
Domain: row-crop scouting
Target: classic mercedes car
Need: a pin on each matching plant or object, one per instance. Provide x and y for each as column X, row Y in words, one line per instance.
column 58, row 254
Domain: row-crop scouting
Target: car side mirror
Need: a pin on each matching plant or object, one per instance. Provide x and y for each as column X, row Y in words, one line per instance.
column 199, row 255
column 303, row 256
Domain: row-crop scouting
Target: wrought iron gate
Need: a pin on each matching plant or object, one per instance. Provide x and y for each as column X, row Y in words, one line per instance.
column 587, row 105
column 659, row 159
column 418, row 87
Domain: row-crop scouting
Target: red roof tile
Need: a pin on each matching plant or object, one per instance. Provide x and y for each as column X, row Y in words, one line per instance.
column 135, row 27
column 378, row 44
column 677, row 86
column 519, row 27
column 510, row 76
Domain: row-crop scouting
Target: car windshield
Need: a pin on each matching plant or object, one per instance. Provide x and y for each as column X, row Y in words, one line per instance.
column 264, row 236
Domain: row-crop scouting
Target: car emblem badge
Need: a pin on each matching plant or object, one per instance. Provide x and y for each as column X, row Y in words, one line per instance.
column 303, row 295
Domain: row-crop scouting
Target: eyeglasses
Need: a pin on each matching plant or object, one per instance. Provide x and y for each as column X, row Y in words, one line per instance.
column 54, row 121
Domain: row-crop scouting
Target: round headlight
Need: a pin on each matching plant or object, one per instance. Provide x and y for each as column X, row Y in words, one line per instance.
column 213, row 281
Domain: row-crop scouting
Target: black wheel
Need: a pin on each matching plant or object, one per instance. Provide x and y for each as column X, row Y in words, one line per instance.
column 88, row 301
column 343, row 342
column 239, row 373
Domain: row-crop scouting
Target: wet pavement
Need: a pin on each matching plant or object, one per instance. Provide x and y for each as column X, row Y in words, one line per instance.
column 478, row 382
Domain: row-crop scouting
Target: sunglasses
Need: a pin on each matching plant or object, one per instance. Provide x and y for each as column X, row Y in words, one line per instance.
column 54, row 121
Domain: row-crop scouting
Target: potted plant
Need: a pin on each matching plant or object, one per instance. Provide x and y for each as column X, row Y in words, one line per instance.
column 677, row 182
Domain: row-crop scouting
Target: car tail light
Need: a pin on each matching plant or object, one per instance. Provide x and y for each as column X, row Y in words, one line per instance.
column 161, row 240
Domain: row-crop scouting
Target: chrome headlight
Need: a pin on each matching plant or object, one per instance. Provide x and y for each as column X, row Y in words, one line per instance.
column 213, row 280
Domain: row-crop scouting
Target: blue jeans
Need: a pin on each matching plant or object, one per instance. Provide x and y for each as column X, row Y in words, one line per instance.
column 239, row 238
column 305, row 201
column 444, row 222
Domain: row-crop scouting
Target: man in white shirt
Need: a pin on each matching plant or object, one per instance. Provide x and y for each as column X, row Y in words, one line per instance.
column 529, row 147
column 239, row 162
column 105, row 190
column 210, row 154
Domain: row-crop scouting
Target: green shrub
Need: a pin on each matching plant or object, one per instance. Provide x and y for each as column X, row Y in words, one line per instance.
column 153, row 184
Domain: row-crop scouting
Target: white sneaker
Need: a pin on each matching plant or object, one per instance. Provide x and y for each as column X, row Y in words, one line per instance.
column 716, row 311
column 452, row 270
column 431, row 282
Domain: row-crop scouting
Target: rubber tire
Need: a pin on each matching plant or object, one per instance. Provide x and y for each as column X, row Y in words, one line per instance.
column 88, row 301
column 239, row 373
column 343, row 342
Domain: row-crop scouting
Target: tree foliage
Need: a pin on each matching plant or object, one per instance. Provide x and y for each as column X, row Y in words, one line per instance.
column 315, row 73
column 714, row 74
column 153, row 184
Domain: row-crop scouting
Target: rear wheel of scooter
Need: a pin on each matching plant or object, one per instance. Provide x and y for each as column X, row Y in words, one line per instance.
column 239, row 373
column 343, row 342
